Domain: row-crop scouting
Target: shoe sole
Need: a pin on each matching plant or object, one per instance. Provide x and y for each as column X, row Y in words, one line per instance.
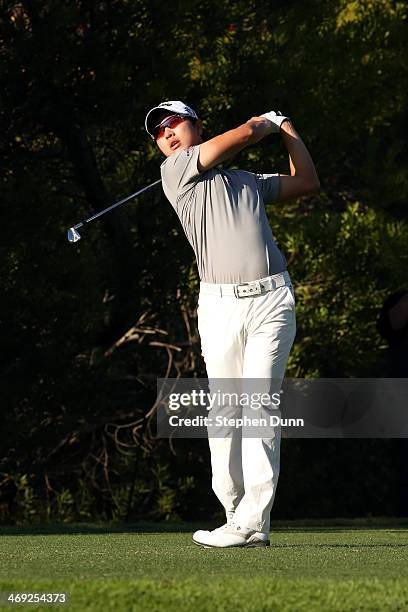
column 257, row 544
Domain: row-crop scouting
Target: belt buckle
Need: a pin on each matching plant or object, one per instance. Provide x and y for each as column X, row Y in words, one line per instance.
column 248, row 289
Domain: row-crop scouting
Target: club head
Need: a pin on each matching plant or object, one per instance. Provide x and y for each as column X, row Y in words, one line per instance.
column 73, row 235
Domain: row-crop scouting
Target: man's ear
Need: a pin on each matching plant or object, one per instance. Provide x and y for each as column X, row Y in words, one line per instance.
column 199, row 125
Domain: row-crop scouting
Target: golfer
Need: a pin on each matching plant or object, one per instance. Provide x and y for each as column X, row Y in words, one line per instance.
column 246, row 307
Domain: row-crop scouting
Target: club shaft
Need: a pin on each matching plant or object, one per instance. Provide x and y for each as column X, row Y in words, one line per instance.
column 102, row 212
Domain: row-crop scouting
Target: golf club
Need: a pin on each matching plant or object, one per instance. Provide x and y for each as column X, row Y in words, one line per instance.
column 74, row 236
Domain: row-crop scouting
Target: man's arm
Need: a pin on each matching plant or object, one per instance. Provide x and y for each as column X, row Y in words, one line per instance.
column 225, row 146
column 303, row 177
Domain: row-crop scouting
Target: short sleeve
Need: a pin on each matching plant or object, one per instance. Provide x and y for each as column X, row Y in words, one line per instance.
column 268, row 185
column 180, row 171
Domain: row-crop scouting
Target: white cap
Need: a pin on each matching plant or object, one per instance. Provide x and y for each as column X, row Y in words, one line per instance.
column 173, row 106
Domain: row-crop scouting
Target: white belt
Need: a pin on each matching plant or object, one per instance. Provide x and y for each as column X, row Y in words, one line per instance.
column 251, row 289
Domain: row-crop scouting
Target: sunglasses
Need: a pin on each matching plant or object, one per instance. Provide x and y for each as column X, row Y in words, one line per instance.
column 171, row 122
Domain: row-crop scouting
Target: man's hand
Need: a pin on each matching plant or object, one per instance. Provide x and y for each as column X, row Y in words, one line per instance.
column 276, row 118
column 260, row 127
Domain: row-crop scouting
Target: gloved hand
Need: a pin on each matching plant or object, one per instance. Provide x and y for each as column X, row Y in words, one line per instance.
column 276, row 118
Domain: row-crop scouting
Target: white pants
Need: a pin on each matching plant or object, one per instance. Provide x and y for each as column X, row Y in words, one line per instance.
column 247, row 338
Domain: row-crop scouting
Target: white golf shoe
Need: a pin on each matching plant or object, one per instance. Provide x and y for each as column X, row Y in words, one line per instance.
column 230, row 535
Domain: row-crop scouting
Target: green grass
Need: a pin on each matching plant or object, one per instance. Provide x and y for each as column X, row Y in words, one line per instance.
column 348, row 566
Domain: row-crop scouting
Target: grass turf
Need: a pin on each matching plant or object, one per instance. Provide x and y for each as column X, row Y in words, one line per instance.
column 349, row 566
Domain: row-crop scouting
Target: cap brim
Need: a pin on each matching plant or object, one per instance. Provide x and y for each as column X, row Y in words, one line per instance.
column 152, row 118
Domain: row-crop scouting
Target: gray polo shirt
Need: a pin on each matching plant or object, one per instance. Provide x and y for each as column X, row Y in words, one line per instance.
column 223, row 216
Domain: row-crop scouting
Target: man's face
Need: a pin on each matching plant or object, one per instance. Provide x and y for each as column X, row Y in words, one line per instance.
column 184, row 135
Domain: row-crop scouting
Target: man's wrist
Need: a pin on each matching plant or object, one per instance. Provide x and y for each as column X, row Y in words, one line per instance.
column 286, row 125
